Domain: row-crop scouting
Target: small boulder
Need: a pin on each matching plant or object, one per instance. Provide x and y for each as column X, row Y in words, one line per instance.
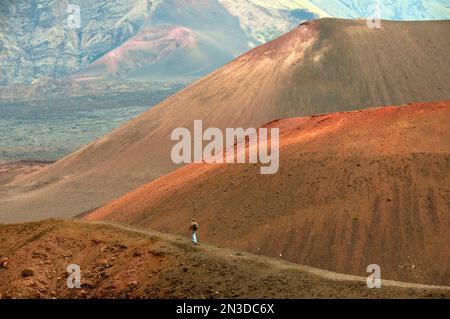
column 96, row 241
column 132, row 284
column 4, row 263
column 27, row 272
column 105, row 263
column 82, row 293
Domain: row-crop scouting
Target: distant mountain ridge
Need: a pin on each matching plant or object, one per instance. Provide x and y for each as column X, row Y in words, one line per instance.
column 150, row 39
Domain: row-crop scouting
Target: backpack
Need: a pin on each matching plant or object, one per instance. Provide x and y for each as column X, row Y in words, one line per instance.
column 194, row 226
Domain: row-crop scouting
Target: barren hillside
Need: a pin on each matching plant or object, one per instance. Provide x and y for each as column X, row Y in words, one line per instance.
column 325, row 66
column 124, row 263
column 353, row 188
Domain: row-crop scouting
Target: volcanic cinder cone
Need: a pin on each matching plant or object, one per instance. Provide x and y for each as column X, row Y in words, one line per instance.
column 353, row 189
column 324, row 66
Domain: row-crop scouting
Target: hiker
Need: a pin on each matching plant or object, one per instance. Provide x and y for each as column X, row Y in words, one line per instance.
column 194, row 228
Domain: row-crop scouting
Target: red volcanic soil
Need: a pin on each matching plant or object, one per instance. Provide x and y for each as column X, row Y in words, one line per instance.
column 353, row 189
column 329, row 65
column 117, row 262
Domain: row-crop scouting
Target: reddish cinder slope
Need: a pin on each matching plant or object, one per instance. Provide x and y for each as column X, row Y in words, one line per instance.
column 118, row 262
column 326, row 66
column 353, row 189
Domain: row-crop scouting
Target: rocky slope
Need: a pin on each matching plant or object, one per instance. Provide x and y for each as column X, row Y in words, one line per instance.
column 326, row 66
column 353, row 189
column 124, row 263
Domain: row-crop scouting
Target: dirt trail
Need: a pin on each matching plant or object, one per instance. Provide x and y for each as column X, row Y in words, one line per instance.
column 119, row 262
column 279, row 263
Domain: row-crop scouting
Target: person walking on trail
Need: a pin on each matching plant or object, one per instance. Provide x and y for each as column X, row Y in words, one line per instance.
column 194, row 228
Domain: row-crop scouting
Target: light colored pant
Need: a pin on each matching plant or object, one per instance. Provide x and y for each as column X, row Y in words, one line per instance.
column 194, row 238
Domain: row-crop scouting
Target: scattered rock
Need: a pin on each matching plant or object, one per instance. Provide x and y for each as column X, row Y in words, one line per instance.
column 158, row 253
column 38, row 254
column 27, row 272
column 111, row 286
column 83, row 293
column 88, row 284
column 4, row 263
column 42, row 289
column 132, row 284
column 96, row 241
column 122, row 246
column 105, row 263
